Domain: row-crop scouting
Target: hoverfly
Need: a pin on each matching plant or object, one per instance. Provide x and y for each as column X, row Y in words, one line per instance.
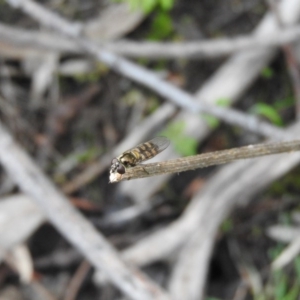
column 138, row 154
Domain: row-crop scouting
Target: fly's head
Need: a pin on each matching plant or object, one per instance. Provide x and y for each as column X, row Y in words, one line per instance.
column 117, row 166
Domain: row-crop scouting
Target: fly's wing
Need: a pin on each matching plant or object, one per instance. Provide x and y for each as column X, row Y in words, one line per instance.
column 149, row 149
column 160, row 143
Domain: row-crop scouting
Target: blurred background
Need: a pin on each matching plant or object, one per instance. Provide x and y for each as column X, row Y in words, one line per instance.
column 222, row 229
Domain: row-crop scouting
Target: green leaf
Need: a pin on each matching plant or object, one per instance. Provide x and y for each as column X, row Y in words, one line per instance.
column 284, row 103
column 87, row 155
column 162, row 27
column 148, row 5
column 293, row 293
column 185, row 145
column 211, row 121
column 224, row 102
column 182, row 143
column 268, row 112
column 152, row 104
column 274, row 252
column 280, row 288
column 297, row 267
column 134, row 4
column 166, row 4
column 285, row 218
column 267, row 73
column 174, row 129
column 227, row 225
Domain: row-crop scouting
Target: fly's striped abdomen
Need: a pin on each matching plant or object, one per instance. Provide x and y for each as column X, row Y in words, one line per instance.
column 145, row 151
column 139, row 154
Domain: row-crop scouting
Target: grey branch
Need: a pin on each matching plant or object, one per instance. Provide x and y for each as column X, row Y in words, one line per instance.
column 72, row 225
column 205, row 160
column 147, row 78
column 203, row 49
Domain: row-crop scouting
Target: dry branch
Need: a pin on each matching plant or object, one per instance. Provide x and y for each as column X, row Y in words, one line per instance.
column 205, row 160
column 290, row 58
column 142, row 75
column 205, row 213
column 230, row 81
column 149, row 124
column 232, row 184
column 288, row 255
column 72, row 225
column 204, row 49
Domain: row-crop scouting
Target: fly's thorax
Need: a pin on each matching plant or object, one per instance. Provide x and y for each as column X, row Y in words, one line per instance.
column 129, row 159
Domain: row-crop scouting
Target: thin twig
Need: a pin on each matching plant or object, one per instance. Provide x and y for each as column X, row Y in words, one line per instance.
column 204, row 49
column 145, row 77
column 294, row 72
column 149, row 124
column 205, row 160
column 290, row 58
column 289, row 253
column 73, row 226
column 233, row 184
column 230, row 81
column 77, row 281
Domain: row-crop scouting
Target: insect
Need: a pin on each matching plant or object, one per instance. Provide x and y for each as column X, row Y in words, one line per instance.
column 138, row 154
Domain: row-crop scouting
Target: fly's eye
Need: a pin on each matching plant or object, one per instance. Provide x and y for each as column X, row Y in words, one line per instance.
column 121, row 169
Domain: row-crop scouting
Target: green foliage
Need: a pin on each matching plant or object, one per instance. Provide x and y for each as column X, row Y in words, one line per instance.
column 186, row 145
column 94, row 76
column 166, row 4
column 75, row 159
column 227, row 225
column 161, row 27
column 283, row 289
column 285, row 218
column 268, row 112
column 211, row 121
column 290, row 182
column 147, row 6
column 223, row 102
column 152, row 104
column 272, row 113
column 174, row 129
column 182, row 143
column 284, row 103
column 297, row 267
column 293, row 293
column 87, row 155
column 274, row 252
column 267, row 73
column 280, row 284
